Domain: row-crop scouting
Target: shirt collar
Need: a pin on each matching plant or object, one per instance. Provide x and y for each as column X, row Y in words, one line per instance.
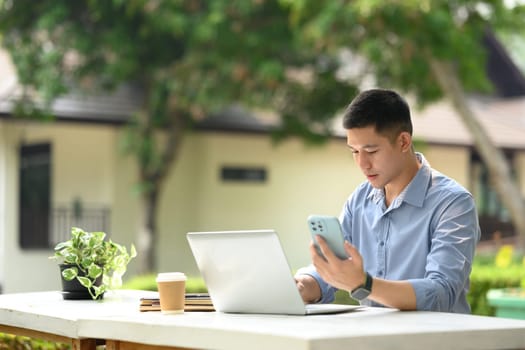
column 414, row 193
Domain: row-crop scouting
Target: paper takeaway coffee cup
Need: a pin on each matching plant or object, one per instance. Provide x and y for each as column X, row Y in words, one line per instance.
column 171, row 287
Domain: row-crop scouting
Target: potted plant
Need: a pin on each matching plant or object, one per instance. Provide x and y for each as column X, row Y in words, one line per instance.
column 90, row 265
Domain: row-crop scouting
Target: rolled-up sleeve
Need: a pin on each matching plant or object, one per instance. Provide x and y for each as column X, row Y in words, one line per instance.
column 454, row 235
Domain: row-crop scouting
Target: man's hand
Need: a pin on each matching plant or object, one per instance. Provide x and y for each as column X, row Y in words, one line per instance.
column 308, row 288
column 345, row 274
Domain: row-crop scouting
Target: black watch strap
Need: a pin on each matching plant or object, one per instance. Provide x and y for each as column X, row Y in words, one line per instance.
column 363, row 291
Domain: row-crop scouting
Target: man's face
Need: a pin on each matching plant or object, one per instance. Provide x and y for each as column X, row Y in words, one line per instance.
column 379, row 159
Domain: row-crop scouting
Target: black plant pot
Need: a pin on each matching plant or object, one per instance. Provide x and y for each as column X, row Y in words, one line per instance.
column 73, row 290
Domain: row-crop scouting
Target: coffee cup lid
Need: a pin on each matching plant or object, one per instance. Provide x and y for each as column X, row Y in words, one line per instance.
column 171, row 276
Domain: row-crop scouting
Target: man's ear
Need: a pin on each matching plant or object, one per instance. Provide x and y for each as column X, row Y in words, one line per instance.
column 405, row 141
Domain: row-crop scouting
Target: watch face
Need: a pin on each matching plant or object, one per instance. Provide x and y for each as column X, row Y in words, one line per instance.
column 360, row 294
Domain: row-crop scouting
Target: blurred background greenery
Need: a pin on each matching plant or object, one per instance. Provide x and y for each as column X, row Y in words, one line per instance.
column 301, row 60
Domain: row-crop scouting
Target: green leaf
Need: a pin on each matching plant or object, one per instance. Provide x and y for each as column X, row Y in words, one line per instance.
column 94, row 271
column 70, row 273
column 86, row 282
column 99, row 290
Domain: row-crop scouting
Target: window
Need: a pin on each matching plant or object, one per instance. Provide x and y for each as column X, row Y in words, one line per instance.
column 35, row 199
column 243, row 174
column 493, row 216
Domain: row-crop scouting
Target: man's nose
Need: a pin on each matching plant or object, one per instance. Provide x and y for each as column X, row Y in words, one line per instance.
column 363, row 161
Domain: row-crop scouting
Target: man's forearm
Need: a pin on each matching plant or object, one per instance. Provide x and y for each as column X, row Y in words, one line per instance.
column 396, row 294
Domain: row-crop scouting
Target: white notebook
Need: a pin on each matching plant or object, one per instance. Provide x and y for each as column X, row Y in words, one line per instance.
column 247, row 272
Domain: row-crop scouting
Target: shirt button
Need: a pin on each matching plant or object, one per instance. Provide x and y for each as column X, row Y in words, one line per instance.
column 382, row 243
column 380, row 273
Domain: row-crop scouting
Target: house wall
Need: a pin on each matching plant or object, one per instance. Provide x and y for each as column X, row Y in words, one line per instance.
column 82, row 166
column 87, row 163
column 453, row 161
column 300, row 182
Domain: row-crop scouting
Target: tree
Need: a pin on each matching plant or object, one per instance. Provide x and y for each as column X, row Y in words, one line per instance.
column 188, row 57
column 431, row 49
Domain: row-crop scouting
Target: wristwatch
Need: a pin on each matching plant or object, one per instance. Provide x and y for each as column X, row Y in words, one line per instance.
column 363, row 291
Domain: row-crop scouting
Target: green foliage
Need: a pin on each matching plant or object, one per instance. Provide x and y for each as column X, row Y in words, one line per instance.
column 398, row 38
column 188, row 57
column 486, row 277
column 148, row 282
column 92, row 257
column 502, row 270
column 12, row 342
column 343, row 297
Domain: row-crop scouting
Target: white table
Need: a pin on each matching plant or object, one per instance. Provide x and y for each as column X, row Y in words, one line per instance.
column 117, row 321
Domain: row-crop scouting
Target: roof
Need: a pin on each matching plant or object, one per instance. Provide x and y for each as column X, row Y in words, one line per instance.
column 114, row 108
column 502, row 119
column 439, row 123
column 237, row 119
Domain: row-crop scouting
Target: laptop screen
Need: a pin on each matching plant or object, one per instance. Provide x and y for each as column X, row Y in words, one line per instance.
column 246, row 271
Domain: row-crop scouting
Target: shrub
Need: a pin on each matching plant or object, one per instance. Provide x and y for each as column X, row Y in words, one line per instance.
column 8, row 341
column 147, row 282
column 487, row 275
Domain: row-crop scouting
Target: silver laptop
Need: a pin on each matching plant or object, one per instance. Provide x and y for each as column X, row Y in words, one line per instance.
column 247, row 272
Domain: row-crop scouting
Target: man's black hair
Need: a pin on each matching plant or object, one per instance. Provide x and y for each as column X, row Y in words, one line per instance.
column 384, row 109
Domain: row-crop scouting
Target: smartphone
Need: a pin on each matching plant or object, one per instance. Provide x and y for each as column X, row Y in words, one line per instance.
column 329, row 228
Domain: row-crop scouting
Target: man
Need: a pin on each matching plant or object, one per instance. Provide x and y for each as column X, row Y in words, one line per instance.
column 410, row 231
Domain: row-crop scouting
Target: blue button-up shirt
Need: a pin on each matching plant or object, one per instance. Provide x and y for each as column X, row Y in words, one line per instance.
column 426, row 236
